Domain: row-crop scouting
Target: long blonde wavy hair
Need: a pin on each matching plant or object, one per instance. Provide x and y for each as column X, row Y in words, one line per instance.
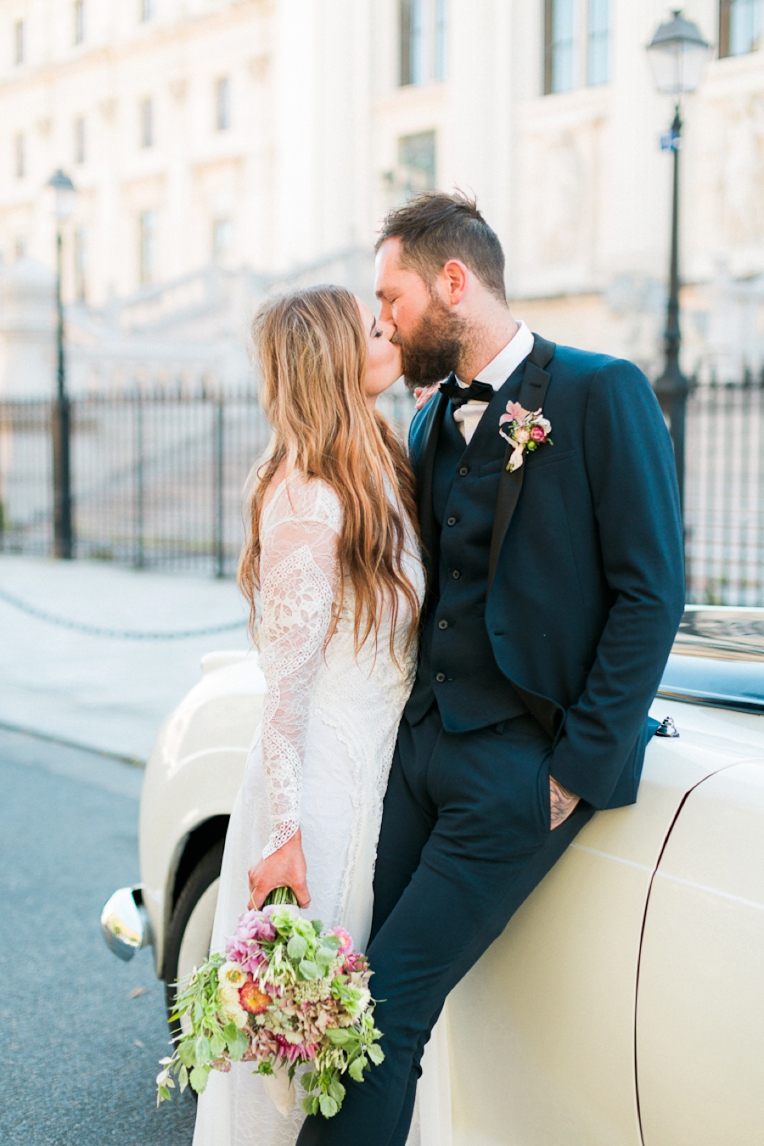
column 312, row 351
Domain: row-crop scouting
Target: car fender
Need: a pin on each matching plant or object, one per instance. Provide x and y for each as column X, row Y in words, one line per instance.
column 193, row 775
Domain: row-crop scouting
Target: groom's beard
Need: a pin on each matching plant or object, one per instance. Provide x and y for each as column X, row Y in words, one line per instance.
column 435, row 347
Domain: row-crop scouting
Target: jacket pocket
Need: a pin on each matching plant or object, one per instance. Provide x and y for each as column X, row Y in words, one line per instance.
column 542, row 458
column 544, row 793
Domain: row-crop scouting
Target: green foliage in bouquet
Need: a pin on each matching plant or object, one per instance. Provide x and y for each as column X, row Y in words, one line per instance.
column 211, row 1039
column 350, row 1049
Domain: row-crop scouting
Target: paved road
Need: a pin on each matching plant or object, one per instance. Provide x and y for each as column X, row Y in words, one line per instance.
column 79, row 1056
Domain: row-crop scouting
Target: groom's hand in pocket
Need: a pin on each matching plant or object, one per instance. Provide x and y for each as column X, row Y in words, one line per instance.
column 285, row 867
column 561, row 803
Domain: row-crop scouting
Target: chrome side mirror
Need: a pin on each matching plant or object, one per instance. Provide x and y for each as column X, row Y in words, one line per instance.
column 125, row 923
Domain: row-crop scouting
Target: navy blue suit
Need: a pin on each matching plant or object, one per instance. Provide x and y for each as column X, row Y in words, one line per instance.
column 554, row 594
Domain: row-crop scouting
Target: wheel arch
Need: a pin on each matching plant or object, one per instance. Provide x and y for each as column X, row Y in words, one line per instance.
column 194, row 847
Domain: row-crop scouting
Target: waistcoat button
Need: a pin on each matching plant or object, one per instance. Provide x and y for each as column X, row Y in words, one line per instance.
column 456, row 574
column 463, row 471
column 451, row 521
column 442, row 624
column 440, row 677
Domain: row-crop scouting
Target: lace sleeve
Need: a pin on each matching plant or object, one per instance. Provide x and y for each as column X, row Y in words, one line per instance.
column 299, row 577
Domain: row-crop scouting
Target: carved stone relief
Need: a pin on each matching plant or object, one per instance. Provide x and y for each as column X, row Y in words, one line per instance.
column 557, row 184
column 742, row 170
column 560, row 201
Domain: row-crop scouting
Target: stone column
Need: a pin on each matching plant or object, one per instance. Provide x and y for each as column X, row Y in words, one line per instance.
column 27, row 330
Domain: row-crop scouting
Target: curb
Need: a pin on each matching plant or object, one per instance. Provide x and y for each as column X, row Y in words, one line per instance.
column 133, row 761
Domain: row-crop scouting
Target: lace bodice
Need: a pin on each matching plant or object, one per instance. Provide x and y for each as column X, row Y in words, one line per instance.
column 299, row 579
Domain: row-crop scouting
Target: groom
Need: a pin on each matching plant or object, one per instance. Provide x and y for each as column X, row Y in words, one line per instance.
column 555, row 588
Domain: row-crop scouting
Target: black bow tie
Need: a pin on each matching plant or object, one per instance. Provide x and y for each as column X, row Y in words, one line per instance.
column 460, row 395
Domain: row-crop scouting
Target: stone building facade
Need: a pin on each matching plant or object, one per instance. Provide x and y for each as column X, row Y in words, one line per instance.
column 223, row 147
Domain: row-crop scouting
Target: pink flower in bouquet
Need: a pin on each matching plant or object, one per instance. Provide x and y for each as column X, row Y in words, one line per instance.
column 346, row 940
column 355, row 962
column 295, row 1052
column 538, row 434
column 255, row 925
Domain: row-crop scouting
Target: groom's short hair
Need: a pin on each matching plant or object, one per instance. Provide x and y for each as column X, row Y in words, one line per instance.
column 434, row 227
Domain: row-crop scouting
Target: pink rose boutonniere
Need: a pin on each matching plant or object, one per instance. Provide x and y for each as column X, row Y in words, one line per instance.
column 524, row 431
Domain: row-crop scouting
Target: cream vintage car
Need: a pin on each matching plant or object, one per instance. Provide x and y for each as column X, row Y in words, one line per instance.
column 624, row 1004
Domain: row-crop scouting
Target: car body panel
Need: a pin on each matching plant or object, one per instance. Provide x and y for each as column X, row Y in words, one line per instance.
column 700, row 1018
column 542, row 1028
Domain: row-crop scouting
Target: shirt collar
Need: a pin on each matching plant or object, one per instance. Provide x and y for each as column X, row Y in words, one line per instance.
column 507, row 360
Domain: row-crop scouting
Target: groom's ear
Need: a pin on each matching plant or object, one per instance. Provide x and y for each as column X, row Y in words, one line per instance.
column 453, row 281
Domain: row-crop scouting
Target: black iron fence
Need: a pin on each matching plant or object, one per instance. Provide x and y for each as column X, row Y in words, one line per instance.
column 158, row 480
column 724, row 493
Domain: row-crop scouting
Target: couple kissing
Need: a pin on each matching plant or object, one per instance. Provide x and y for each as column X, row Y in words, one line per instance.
column 461, row 640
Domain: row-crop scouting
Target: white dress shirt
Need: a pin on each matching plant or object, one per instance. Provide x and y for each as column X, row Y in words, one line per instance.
column 495, row 374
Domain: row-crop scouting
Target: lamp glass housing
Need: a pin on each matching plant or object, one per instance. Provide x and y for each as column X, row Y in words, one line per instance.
column 678, row 54
column 65, row 195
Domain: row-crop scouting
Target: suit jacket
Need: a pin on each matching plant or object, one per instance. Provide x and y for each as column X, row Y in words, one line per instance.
column 585, row 577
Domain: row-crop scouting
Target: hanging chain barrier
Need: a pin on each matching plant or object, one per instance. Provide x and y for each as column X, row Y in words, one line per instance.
column 116, row 634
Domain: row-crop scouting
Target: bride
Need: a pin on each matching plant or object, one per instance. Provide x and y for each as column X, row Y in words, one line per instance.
column 332, row 572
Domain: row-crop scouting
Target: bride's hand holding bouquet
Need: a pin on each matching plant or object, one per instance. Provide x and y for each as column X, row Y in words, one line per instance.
column 285, row 867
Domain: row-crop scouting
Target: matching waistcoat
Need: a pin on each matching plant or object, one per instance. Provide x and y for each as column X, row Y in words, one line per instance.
column 457, row 667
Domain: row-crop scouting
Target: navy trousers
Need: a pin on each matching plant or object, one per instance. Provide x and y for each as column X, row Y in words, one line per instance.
column 465, row 839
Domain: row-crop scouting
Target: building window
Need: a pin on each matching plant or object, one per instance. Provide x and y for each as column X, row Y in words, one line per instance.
column 559, row 45
column 441, row 39
column 18, row 42
column 19, row 152
column 740, row 26
column 223, row 104
column 599, row 42
column 576, row 44
column 147, row 123
column 147, row 246
column 416, row 160
column 79, row 140
column 80, row 264
column 79, row 21
column 410, row 42
column 422, row 41
column 222, row 235
column 147, row 10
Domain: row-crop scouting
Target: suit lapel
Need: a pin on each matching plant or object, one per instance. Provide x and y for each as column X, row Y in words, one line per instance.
column 532, row 394
column 427, row 523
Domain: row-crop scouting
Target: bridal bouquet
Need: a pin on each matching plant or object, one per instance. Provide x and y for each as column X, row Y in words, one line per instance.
column 286, row 993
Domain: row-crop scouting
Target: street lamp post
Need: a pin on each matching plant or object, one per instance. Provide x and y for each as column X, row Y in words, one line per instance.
column 63, row 534
column 678, row 54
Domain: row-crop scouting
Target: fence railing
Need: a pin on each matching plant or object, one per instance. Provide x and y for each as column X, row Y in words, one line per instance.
column 724, row 494
column 158, row 481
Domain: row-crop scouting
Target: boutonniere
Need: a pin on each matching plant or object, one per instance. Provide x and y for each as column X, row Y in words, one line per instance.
column 524, row 431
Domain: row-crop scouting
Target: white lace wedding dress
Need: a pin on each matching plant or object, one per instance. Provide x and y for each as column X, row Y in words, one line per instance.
column 319, row 761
